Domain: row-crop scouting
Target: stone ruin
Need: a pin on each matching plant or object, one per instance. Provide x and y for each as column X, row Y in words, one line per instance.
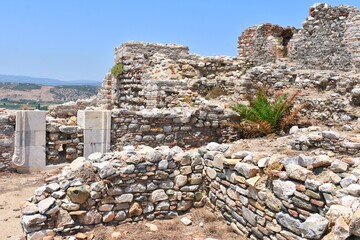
column 159, row 109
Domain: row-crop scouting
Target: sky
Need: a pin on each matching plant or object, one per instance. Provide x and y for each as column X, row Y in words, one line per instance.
column 75, row 39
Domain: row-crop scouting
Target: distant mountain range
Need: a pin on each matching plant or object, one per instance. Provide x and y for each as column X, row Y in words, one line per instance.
column 46, row 81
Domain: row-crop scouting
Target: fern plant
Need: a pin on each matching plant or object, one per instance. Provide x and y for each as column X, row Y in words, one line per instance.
column 263, row 117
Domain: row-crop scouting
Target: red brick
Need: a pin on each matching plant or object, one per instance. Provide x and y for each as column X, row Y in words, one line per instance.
column 303, row 212
column 317, row 202
column 293, row 213
column 300, row 187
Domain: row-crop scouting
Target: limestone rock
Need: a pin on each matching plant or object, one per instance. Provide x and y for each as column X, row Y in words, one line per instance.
column 78, row 194
column 186, row 221
column 283, row 189
column 46, row 204
column 314, row 227
column 289, row 222
column 297, row 172
column 246, row 169
column 158, row 195
column 63, row 219
column 354, row 227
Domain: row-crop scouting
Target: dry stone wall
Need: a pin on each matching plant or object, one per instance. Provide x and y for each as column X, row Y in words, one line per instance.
column 327, row 39
column 172, row 127
column 261, row 195
column 166, row 75
column 131, row 185
column 64, row 141
column 7, row 132
column 264, row 43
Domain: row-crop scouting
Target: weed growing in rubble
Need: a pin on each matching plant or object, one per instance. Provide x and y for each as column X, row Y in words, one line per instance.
column 262, row 116
column 117, row 70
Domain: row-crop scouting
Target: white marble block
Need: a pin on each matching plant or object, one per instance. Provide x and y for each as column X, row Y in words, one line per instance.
column 30, row 141
column 97, row 126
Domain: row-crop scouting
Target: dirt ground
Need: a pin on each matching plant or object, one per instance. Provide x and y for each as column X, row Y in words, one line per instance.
column 16, row 188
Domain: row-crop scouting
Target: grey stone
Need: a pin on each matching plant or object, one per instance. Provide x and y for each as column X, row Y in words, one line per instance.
column 44, row 205
column 297, row 172
column 314, row 227
column 158, row 195
column 339, row 166
column 163, row 165
column 135, row 187
column 249, row 216
column 29, row 220
column 283, row 189
column 246, row 169
column 180, row 180
column 354, row 189
column 354, row 226
column 105, row 169
column 124, row 198
column 331, row 135
column 289, row 222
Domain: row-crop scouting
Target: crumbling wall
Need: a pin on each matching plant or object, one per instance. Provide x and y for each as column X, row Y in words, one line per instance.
column 162, row 75
column 131, row 185
column 264, row 43
column 327, row 39
column 184, row 127
column 65, row 141
column 262, row 195
column 7, row 132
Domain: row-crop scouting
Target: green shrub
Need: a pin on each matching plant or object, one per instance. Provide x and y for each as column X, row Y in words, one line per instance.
column 117, row 70
column 262, row 117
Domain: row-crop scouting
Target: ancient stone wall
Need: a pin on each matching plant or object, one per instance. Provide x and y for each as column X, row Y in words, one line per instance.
column 264, row 43
column 184, row 127
column 163, row 75
column 117, row 188
column 327, row 39
column 260, row 194
column 64, row 141
column 7, row 132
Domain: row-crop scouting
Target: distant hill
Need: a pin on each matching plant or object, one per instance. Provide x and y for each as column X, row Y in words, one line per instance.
column 46, row 81
column 15, row 95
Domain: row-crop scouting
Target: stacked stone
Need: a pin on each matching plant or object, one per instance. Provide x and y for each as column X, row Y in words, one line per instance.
column 105, row 94
column 131, row 185
column 313, row 137
column 7, row 131
column 321, row 43
column 184, row 127
column 70, row 109
column 264, row 43
column 65, row 142
column 279, row 197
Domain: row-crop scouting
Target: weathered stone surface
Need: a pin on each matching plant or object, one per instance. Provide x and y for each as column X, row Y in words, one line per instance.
column 354, row 189
column 283, row 189
column 297, row 172
column 180, row 180
column 289, row 222
column 46, row 204
column 158, row 195
column 249, row 216
column 354, row 227
column 78, row 194
column 124, row 198
column 210, row 172
column 135, row 210
column 339, row 166
column 314, row 227
column 246, row 169
column 63, row 219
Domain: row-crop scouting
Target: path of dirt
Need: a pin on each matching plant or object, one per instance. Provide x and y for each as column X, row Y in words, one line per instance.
column 14, row 189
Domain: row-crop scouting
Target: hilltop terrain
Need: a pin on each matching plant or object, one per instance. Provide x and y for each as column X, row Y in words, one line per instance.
column 15, row 95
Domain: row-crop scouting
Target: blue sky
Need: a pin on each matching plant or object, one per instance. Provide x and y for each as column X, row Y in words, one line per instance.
column 74, row 39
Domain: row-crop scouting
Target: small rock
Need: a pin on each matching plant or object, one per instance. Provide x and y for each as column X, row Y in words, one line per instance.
column 186, row 221
column 152, row 227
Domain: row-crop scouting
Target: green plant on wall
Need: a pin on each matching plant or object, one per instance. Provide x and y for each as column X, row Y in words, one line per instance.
column 262, row 116
column 117, row 70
